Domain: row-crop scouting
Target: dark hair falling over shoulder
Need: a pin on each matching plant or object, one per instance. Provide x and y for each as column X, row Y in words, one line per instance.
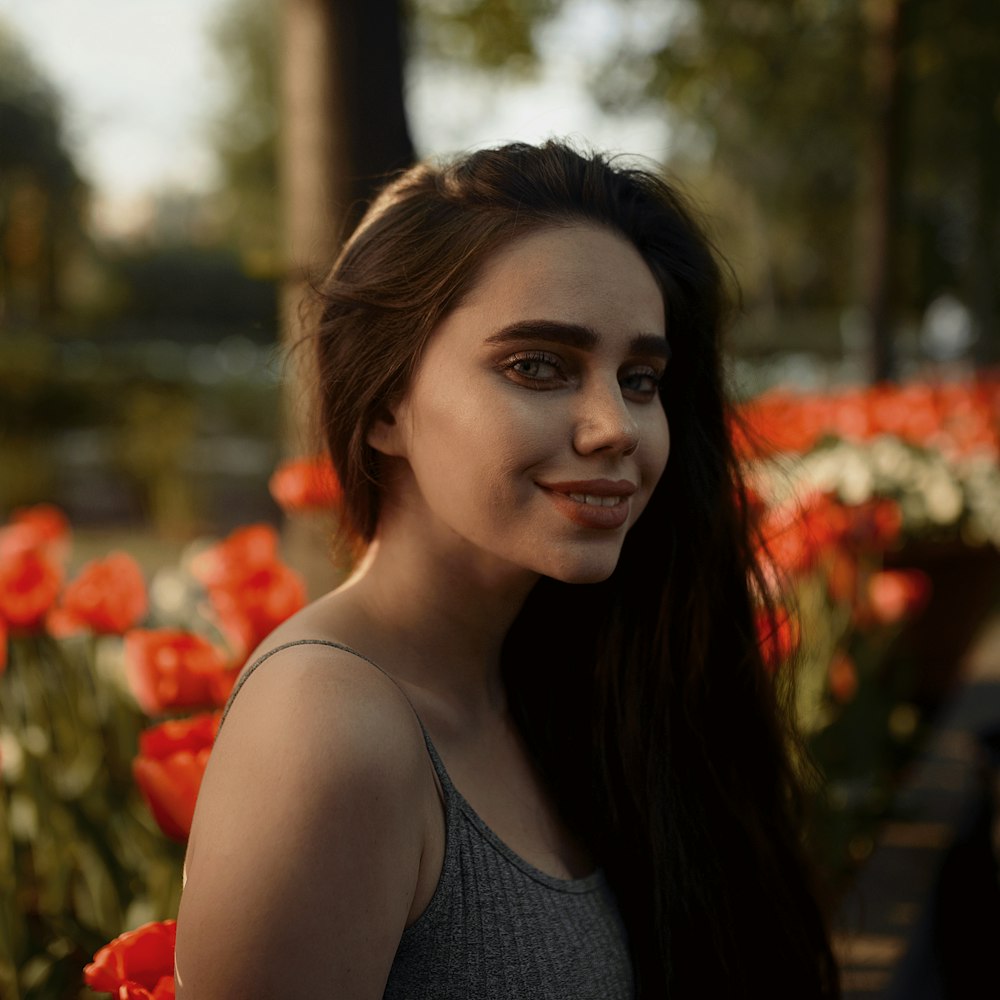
column 644, row 698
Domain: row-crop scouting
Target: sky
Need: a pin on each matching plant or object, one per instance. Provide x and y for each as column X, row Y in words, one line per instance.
column 140, row 83
column 138, row 79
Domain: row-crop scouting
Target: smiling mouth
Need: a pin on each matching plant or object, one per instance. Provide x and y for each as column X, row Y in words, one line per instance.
column 596, row 504
column 595, row 501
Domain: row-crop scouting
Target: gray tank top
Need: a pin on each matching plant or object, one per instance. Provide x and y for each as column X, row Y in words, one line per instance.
column 496, row 927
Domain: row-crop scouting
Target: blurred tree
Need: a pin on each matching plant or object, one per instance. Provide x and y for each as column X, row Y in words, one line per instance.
column 41, row 193
column 356, row 90
column 331, row 72
column 189, row 293
column 953, row 191
column 866, row 131
column 856, row 142
column 495, row 34
column 344, row 127
column 245, row 131
column 344, row 123
column 757, row 78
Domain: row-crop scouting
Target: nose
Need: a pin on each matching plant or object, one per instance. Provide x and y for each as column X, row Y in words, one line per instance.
column 605, row 423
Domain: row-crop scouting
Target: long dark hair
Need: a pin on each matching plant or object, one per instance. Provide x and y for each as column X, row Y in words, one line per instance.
column 645, row 698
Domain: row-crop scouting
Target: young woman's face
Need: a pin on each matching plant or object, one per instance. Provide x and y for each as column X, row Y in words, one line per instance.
column 533, row 433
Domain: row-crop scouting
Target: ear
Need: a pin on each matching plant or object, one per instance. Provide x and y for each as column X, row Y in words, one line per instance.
column 385, row 434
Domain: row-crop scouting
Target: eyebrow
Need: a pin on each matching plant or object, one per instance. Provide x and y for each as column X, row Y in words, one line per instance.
column 576, row 335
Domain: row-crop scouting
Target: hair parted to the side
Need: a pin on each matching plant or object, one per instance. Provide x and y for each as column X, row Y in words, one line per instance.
column 645, row 698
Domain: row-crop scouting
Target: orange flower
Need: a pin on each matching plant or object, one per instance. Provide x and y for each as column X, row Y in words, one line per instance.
column 895, row 594
column 237, row 556
column 108, row 596
column 252, row 591
column 956, row 419
column 797, row 533
column 170, row 766
column 777, row 635
column 305, row 484
column 43, row 526
column 30, row 581
column 137, row 965
column 252, row 611
column 170, row 668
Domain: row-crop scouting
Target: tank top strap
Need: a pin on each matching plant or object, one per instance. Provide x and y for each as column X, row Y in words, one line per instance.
column 439, row 768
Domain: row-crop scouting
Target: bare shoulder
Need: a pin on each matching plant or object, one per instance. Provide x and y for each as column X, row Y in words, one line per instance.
column 328, row 693
column 321, row 717
column 307, row 838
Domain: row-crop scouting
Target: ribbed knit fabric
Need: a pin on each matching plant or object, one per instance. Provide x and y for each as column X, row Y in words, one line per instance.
column 496, row 927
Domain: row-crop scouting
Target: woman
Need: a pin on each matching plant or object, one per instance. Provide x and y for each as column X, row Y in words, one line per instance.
column 529, row 748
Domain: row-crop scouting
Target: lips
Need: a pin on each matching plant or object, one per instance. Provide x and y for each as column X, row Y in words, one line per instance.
column 592, row 503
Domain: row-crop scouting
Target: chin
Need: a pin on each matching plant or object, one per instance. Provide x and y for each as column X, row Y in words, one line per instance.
column 591, row 571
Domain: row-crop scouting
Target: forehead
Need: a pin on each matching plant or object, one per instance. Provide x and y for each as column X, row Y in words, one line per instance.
column 579, row 273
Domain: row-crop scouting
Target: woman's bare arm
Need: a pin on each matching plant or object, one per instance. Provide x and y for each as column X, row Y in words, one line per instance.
column 307, row 838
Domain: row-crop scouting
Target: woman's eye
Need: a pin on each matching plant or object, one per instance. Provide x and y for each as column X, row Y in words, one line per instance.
column 534, row 368
column 643, row 383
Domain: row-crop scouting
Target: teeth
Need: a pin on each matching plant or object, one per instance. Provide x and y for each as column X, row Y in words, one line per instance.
column 593, row 501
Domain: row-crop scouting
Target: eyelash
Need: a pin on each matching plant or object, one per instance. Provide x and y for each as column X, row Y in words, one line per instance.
column 548, row 359
column 536, row 356
column 656, row 377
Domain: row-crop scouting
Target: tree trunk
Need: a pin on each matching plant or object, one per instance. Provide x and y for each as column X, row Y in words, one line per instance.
column 372, row 137
column 344, row 128
column 887, row 86
column 985, row 263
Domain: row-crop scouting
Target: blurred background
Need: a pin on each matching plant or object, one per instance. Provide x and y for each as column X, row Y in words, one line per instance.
column 173, row 176
column 164, row 173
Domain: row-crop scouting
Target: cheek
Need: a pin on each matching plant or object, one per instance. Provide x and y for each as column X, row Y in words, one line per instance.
column 658, row 448
column 458, row 446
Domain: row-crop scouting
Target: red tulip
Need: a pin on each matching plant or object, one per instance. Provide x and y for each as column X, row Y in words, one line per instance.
column 237, row 556
column 896, row 594
column 798, row 533
column 137, row 965
column 108, row 597
column 30, row 581
column 956, row 419
column 170, row 668
column 305, row 484
column 43, row 526
column 251, row 610
column 251, row 590
column 170, row 766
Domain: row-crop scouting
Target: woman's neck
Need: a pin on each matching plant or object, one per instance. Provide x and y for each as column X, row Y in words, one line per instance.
column 438, row 618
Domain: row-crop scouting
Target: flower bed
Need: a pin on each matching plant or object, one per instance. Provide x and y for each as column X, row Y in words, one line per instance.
column 110, row 697
column 881, row 513
column 870, row 506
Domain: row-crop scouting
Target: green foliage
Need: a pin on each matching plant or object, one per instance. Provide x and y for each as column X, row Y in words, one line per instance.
column 181, row 436
column 774, row 115
column 953, row 190
column 495, row 34
column 83, row 859
column 194, row 293
column 244, row 131
column 783, row 94
column 31, row 121
column 41, row 193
